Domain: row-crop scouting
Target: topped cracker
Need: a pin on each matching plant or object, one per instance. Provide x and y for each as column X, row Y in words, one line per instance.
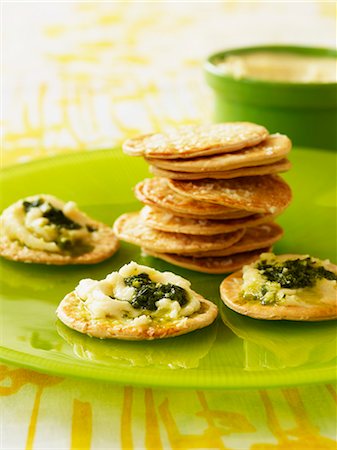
column 136, row 303
column 43, row 229
column 260, row 194
column 283, row 287
column 274, row 148
column 190, row 141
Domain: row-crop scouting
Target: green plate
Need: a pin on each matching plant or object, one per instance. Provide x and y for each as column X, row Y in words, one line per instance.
column 235, row 351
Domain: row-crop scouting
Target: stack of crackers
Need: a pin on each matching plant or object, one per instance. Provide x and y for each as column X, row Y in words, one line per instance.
column 216, row 191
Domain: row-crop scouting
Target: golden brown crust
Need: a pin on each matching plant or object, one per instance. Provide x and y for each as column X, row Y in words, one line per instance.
column 166, row 221
column 104, row 244
column 236, row 214
column 190, row 141
column 210, row 264
column 273, row 149
column 230, row 295
column 255, row 238
column 73, row 313
column 261, row 194
column 130, row 227
column 157, row 193
column 277, row 167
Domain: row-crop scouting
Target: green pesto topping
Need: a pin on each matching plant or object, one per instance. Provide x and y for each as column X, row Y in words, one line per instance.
column 65, row 244
column 54, row 215
column 90, row 228
column 148, row 293
column 57, row 218
column 294, row 274
column 27, row 206
column 137, row 281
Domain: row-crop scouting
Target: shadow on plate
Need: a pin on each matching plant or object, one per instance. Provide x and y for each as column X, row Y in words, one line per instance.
column 181, row 352
column 282, row 344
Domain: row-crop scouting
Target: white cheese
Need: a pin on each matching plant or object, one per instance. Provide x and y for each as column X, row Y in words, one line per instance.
column 123, row 292
column 168, row 308
column 35, row 231
column 101, row 306
column 112, row 298
column 327, row 291
column 141, row 321
column 191, row 307
column 13, row 226
column 71, row 210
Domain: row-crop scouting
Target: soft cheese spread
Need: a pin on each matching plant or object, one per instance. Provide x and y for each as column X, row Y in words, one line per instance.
column 280, row 67
column 139, row 293
column 289, row 280
column 43, row 222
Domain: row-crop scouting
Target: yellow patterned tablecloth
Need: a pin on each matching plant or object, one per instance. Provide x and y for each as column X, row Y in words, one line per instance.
column 84, row 76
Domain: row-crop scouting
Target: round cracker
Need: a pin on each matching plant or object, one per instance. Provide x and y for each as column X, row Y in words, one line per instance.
column 103, row 245
column 261, row 194
column 157, row 193
column 277, row 167
column 230, row 294
column 166, row 221
column 273, row 149
column 190, row 141
column 131, row 228
column 216, row 264
column 72, row 312
column 254, row 238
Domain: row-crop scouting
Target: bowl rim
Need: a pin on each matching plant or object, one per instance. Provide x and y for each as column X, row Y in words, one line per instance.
column 210, row 65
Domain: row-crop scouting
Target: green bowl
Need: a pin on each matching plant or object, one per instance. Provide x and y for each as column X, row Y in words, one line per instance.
column 306, row 112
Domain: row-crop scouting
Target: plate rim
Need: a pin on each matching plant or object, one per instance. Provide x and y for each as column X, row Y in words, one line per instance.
column 46, row 366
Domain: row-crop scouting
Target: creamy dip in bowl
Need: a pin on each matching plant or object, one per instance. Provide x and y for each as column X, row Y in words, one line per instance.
column 280, row 67
column 288, row 89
